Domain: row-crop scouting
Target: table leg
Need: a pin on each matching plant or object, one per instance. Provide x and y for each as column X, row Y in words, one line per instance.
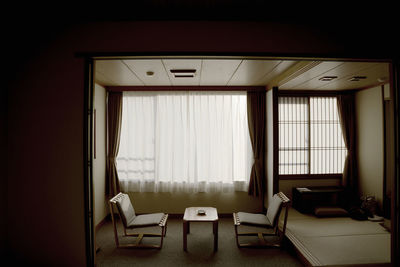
column 185, row 230
column 215, row 231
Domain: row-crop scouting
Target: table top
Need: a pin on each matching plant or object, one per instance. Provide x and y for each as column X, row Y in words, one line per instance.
column 192, row 215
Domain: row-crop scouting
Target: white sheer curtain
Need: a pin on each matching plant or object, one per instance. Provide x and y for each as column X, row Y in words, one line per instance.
column 184, row 141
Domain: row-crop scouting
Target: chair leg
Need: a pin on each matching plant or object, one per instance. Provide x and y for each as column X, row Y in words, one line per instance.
column 237, row 237
column 262, row 243
column 114, row 226
column 139, row 239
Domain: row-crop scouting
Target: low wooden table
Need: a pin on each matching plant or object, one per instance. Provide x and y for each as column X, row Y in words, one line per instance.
column 306, row 199
column 191, row 215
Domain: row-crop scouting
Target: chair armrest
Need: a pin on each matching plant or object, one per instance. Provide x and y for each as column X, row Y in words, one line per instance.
column 117, row 197
column 163, row 220
column 284, row 198
column 236, row 220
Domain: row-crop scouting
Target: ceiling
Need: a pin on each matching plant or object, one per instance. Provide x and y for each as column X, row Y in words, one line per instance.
column 286, row 74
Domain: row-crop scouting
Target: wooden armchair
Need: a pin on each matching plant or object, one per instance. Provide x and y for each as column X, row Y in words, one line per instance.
column 269, row 221
column 130, row 221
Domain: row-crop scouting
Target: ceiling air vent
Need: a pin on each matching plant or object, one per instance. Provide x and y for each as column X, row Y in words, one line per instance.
column 327, row 78
column 357, row 78
column 183, row 73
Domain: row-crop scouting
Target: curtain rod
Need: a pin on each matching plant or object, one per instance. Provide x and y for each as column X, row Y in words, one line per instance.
column 184, row 88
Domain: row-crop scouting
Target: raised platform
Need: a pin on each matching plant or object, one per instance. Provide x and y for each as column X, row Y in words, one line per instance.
column 337, row 241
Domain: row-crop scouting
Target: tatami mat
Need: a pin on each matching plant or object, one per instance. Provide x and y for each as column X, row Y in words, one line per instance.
column 338, row 241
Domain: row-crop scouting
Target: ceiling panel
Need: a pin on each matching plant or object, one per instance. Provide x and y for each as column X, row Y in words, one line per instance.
column 250, row 71
column 289, row 75
column 117, row 72
column 183, row 64
column 343, row 70
column 318, row 70
column 218, row 72
column 372, row 71
column 142, row 66
column 277, row 70
column 103, row 80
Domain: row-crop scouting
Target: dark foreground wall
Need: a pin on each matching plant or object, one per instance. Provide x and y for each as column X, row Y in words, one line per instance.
column 43, row 218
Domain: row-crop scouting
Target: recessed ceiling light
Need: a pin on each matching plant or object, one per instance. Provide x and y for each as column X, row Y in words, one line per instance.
column 327, row 78
column 183, row 73
column 150, row 73
column 357, row 78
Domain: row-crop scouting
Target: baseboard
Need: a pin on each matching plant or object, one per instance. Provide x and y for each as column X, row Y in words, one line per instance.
column 102, row 222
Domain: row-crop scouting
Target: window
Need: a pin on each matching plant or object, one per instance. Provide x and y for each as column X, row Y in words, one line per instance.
column 310, row 136
column 184, row 141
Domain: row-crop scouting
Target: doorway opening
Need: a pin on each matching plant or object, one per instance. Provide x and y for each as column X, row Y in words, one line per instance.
column 215, row 72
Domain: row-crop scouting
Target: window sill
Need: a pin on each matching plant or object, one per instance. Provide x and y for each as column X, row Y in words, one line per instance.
column 309, row 176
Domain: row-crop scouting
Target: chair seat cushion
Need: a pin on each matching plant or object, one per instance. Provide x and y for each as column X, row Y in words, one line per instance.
column 253, row 219
column 151, row 219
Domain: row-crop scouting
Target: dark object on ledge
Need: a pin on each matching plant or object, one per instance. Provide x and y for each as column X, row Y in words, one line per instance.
column 358, row 214
column 370, row 206
column 306, row 199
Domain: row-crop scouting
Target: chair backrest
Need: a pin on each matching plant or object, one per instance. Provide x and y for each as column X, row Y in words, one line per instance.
column 274, row 208
column 125, row 209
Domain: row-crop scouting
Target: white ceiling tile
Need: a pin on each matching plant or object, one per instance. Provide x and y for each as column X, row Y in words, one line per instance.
column 279, row 68
column 103, row 80
column 217, row 72
column 318, row 70
column 141, row 66
column 250, row 71
column 117, row 71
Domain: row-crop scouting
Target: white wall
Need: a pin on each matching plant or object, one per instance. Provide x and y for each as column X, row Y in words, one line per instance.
column 99, row 163
column 369, row 111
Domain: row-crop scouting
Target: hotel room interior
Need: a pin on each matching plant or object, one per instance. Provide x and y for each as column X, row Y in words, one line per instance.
column 57, row 207
column 289, row 82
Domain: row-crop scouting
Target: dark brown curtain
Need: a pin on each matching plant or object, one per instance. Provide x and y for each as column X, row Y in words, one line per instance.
column 346, row 110
column 114, row 116
column 256, row 120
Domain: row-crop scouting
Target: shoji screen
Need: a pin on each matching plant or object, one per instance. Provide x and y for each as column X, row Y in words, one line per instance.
column 310, row 136
column 327, row 148
column 293, row 135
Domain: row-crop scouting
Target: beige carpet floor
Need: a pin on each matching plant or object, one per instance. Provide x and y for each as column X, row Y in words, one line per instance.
column 200, row 248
